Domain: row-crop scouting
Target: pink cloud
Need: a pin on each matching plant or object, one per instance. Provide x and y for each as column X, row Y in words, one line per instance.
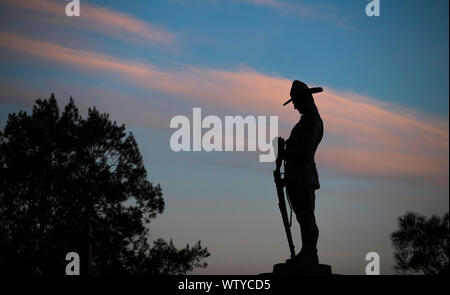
column 97, row 19
column 363, row 136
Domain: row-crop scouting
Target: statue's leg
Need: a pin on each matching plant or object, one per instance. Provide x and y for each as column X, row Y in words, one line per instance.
column 303, row 203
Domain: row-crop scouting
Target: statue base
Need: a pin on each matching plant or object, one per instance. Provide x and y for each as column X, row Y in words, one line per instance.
column 291, row 268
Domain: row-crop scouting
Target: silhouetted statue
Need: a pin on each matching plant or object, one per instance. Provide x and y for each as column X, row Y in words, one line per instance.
column 301, row 177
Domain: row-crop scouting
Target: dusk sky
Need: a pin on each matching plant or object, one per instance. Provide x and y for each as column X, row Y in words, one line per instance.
column 385, row 109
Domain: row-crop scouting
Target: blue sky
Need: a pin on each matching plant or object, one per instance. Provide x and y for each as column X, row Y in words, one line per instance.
column 385, row 108
column 407, row 44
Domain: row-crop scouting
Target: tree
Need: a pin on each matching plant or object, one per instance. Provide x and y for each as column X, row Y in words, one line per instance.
column 69, row 184
column 422, row 244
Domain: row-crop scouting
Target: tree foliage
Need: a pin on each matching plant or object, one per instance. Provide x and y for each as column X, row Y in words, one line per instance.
column 422, row 244
column 74, row 184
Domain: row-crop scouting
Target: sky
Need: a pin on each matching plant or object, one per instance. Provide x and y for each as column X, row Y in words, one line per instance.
column 385, row 107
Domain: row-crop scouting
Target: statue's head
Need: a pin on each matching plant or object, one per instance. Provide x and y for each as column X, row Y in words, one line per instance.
column 301, row 96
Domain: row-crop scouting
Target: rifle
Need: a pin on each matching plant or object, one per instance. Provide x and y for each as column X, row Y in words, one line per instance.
column 279, row 182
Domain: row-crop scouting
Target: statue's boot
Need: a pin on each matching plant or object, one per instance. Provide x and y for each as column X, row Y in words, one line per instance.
column 306, row 260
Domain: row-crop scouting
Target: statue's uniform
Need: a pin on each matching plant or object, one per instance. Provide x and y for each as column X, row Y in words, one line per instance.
column 301, row 175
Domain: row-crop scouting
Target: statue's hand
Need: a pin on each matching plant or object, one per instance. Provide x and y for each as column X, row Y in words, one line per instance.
column 281, row 147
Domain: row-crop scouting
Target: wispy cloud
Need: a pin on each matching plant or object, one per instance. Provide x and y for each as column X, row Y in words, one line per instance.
column 364, row 136
column 95, row 19
column 310, row 10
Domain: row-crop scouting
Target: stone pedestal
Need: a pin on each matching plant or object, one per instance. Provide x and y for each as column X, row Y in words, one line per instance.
column 290, row 268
